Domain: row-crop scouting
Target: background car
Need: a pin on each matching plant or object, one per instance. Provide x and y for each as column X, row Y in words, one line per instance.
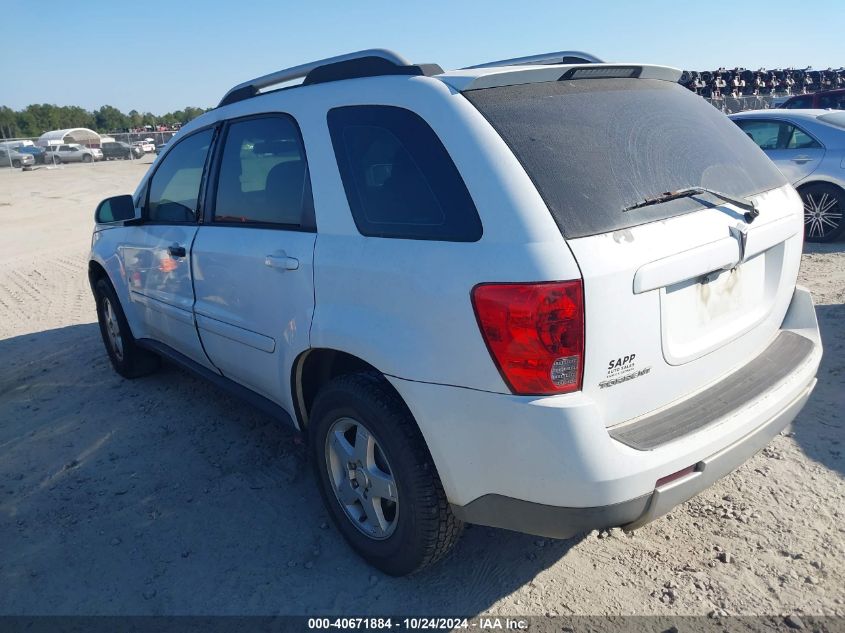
column 833, row 99
column 13, row 158
column 146, row 146
column 808, row 146
column 73, row 153
column 119, row 149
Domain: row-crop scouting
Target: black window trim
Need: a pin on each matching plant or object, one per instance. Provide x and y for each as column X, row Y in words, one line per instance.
column 215, row 127
column 777, row 119
column 309, row 220
column 448, row 154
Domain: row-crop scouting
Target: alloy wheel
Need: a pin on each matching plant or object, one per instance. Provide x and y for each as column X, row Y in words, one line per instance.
column 822, row 213
column 113, row 329
column 361, row 478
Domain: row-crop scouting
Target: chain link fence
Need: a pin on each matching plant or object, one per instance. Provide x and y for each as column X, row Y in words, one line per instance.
column 731, row 104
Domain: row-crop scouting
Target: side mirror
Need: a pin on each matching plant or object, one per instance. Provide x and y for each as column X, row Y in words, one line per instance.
column 115, row 209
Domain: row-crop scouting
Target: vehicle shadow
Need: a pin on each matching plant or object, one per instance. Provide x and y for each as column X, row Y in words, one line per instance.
column 163, row 496
column 820, row 427
column 828, row 247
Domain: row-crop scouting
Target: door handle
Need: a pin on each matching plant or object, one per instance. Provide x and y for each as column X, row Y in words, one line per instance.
column 801, row 159
column 176, row 250
column 281, row 261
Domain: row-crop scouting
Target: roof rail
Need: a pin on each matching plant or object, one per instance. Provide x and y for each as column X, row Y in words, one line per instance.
column 252, row 87
column 560, row 57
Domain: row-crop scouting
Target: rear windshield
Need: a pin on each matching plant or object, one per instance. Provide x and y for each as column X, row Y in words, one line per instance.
column 835, row 118
column 594, row 147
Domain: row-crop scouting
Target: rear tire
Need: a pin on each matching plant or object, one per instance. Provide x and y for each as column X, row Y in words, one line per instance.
column 824, row 206
column 128, row 360
column 414, row 528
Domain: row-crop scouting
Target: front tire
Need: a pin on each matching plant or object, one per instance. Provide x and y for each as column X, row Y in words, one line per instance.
column 87, row 158
column 824, row 205
column 128, row 360
column 16, row 164
column 376, row 476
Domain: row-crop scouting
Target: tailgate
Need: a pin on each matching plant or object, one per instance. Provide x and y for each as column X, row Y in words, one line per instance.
column 670, row 309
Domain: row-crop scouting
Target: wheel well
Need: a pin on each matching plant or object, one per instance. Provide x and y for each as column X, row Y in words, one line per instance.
column 804, row 185
column 95, row 272
column 314, row 368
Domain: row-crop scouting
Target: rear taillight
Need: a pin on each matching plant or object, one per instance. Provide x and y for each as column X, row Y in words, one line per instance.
column 535, row 334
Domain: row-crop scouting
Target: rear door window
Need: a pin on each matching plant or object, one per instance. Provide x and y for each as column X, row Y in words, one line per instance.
column 595, row 147
column 263, row 176
column 398, row 177
column 799, row 139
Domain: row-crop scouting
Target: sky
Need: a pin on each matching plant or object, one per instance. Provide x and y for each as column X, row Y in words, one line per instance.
column 160, row 56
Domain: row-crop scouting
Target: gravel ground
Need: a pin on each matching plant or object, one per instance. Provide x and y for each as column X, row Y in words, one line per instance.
column 163, row 496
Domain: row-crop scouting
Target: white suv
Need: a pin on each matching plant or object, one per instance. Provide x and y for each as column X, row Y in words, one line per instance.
column 470, row 290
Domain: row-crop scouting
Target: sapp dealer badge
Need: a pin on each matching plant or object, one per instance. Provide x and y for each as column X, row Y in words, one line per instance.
column 621, row 370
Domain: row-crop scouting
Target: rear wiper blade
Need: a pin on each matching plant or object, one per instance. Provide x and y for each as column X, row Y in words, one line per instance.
column 751, row 210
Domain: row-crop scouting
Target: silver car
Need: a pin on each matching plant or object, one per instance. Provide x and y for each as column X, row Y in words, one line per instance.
column 808, row 146
column 13, row 158
column 73, row 153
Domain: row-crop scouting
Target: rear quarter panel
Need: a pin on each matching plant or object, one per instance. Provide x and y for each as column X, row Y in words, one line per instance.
column 404, row 305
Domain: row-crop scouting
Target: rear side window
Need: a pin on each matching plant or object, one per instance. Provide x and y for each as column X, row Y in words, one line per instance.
column 595, row 147
column 398, row 177
column 175, row 186
column 835, row 102
column 798, row 103
column 263, row 174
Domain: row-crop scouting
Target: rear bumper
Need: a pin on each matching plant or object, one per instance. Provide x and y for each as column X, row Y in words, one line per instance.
column 549, row 466
column 559, row 522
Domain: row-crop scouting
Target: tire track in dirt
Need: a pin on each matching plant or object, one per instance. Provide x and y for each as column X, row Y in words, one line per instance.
column 37, row 293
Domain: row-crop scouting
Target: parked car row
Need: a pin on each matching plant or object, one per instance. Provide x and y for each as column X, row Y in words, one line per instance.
column 28, row 155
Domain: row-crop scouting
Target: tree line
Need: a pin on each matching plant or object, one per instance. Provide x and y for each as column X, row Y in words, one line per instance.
column 36, row 119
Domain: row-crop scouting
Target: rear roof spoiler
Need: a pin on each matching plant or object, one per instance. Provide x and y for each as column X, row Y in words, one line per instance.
column 477, row 79
column 559, row 57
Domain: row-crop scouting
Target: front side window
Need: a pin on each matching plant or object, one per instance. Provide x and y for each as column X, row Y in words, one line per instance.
column 263, row 176
column 764, row 133
column 399, row 179
column 175, row 186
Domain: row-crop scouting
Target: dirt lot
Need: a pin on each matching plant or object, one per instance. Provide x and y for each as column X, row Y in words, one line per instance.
column 162, row 496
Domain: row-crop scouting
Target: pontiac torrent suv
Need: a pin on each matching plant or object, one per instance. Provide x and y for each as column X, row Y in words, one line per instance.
column 546, row 294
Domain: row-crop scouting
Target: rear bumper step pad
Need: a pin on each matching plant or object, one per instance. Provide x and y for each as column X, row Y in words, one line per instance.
column 778, row 360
